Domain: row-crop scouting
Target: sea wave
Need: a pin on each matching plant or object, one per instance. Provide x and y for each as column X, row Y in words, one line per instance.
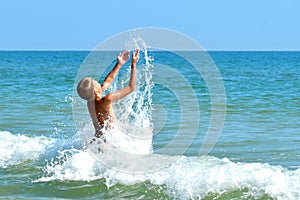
column 17, row 148
column 186, row 177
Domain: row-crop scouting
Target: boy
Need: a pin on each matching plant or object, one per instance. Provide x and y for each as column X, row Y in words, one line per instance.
column 100, row 108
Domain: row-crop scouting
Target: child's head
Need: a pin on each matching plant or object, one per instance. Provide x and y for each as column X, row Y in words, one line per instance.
column 87, row 88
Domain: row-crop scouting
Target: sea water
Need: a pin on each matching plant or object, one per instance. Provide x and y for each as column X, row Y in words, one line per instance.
column 44, row 155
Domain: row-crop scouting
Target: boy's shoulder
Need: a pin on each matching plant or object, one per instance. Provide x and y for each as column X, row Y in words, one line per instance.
column 106, row 99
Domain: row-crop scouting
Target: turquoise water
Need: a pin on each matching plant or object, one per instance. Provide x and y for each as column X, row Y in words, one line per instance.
column 257, row 156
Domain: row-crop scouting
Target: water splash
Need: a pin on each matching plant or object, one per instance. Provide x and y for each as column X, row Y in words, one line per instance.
column 134, row 112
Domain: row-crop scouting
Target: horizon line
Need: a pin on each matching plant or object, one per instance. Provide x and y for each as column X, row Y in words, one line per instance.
column 295, row 50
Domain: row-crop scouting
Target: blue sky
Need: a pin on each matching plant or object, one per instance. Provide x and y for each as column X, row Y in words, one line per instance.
column 215, row 24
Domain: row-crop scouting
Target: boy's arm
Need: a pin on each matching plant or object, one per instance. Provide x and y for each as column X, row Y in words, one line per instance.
column 92, row 111
column 131, row 86
column 122, row 58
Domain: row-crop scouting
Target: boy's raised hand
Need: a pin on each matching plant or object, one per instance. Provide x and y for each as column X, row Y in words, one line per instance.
column 135, row 56
column 123, row 57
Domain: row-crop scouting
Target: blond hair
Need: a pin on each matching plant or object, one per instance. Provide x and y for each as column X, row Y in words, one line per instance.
column 85, row 88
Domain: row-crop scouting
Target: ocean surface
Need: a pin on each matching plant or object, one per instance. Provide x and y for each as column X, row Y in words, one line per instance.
column 44, row 153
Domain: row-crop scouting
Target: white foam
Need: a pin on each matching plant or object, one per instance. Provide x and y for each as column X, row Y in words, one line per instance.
column 194, row 177
column 73, row 165
column 15, row 148
column 129, row 143
column 186, row 177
